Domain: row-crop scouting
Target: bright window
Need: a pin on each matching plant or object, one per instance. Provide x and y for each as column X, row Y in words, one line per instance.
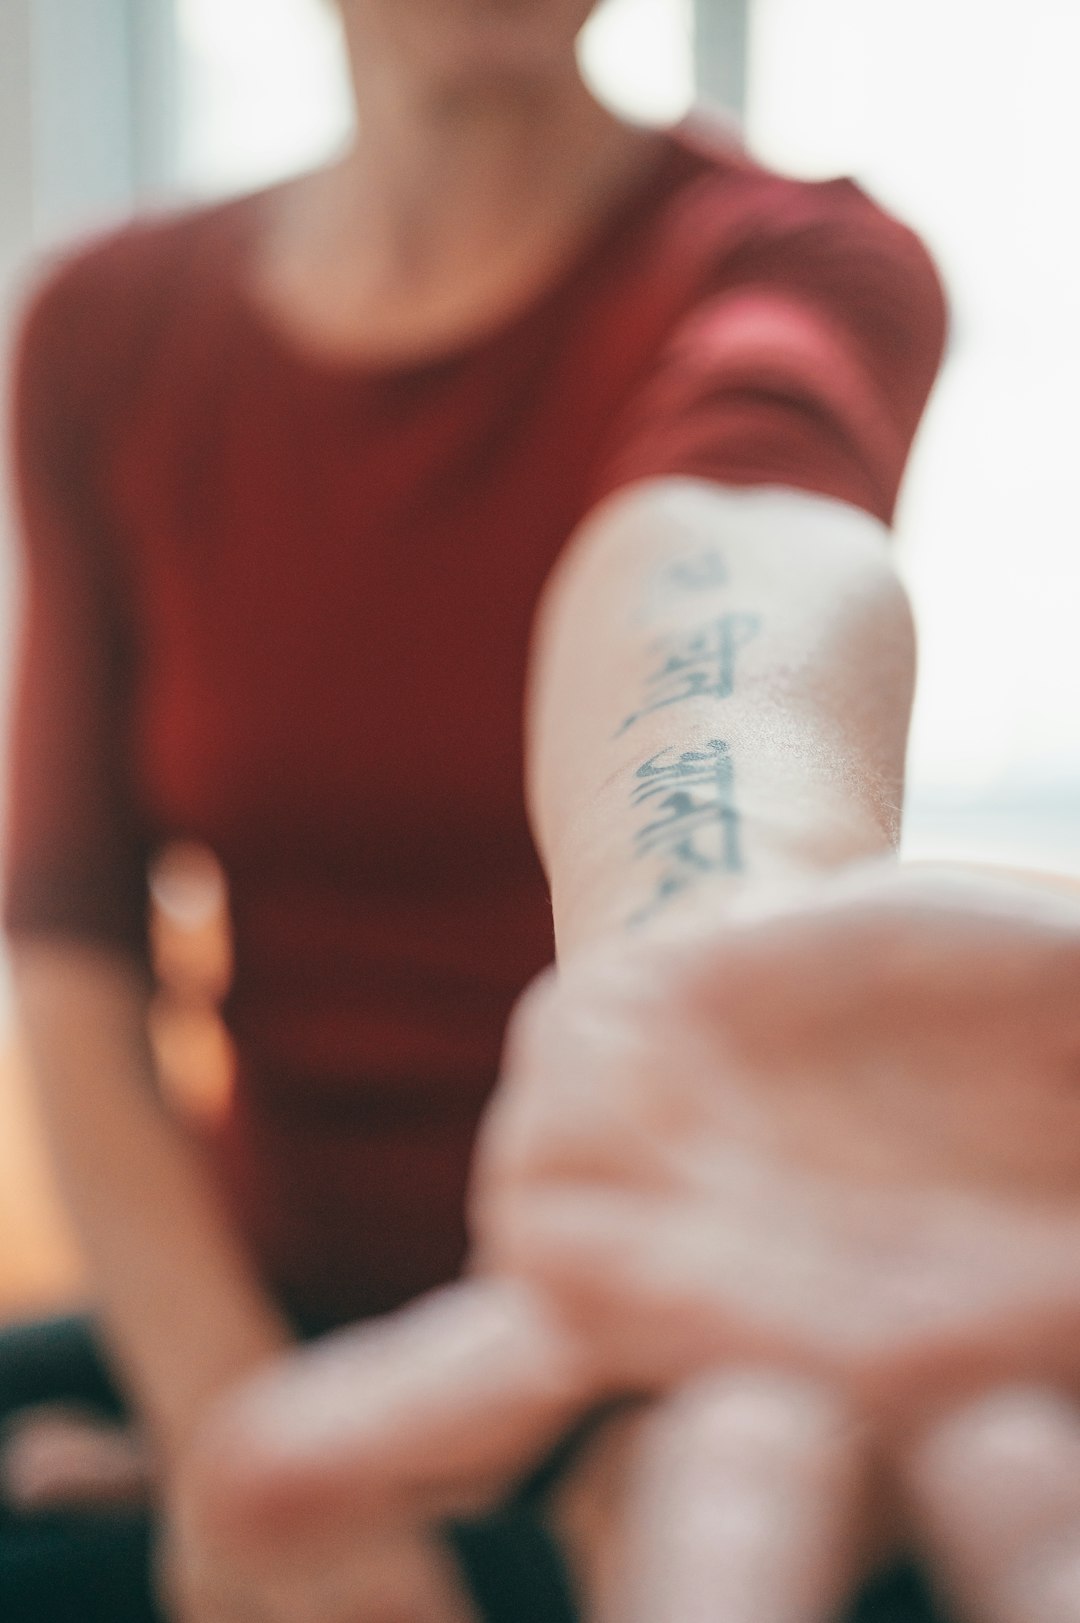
column 263, row 91
column 963, row 116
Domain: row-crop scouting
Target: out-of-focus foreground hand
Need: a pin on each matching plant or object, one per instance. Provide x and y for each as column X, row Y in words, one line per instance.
column 838, row 1137
column 315, row 1492
column 845, row 1125
column 814, row 1171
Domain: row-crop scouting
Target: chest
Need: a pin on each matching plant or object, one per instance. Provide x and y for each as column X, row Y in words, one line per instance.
column 332, row 601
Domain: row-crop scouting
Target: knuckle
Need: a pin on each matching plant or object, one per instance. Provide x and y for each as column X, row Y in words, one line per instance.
column 1003, row 1430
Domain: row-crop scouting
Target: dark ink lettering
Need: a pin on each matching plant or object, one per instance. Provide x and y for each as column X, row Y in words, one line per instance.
column 700, row 572
column 693, row 824
column 699, row 666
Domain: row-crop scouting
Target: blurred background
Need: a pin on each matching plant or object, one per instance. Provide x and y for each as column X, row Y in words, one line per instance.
column 960, row 115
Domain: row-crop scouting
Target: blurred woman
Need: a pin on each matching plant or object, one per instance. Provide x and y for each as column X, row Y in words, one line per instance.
column 297, row 472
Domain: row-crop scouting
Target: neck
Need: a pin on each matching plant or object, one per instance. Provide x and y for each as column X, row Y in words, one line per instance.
column 438, row 181
column 448, row 213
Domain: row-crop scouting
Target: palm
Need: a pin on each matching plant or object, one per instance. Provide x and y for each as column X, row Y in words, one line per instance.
column 848, row 1134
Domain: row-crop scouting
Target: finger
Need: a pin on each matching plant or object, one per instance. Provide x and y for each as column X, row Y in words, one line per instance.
column 995, row 1490
column 55, row 1457
column 745, row 1505
column 393, row 1421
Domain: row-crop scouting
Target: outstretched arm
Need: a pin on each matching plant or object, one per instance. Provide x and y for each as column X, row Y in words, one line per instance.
column 720, row 692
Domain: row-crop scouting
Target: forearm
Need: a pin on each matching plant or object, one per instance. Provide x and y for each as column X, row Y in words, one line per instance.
column 178, row 1301
column 720, row 693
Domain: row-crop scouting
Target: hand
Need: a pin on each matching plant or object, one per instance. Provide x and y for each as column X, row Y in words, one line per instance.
column 844, row 1131
column 840, row 1138
column 57, row 1457
column 606, row 1176
column 436, row 1410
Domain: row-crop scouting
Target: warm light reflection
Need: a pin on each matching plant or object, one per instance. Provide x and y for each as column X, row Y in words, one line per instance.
column 192, row 949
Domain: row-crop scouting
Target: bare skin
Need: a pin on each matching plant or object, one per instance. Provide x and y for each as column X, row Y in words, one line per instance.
column 61, row 1456
column 482, row 163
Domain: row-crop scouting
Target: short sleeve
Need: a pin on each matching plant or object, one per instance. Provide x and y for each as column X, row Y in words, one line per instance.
column 806, row 360
column 76, row 856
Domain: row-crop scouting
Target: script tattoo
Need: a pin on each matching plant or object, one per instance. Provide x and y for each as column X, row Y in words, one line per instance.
column 699, row 572
column 693, row 824
column 701, row 665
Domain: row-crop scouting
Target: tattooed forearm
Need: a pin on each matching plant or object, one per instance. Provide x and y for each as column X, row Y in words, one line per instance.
column 692, row 824
column 698, row 665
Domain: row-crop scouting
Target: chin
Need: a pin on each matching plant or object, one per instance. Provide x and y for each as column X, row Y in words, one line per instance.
column 469, row 46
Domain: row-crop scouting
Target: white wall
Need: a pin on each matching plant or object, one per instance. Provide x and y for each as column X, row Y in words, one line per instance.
column 87, row 130
column 963, row 116
column 721, row 48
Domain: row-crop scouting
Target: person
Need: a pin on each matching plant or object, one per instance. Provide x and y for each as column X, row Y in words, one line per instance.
column 514, row 406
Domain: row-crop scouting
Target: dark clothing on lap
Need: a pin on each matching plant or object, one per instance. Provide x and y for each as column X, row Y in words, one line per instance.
column 94, row 1566
column 90, row 1567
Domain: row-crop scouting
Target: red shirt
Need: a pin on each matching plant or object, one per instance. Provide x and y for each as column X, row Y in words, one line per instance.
column 282, row 607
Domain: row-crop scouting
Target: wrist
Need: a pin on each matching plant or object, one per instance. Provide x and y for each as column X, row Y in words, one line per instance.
column 779, row 852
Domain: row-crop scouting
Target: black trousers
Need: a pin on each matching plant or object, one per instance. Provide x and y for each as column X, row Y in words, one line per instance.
column 94, row 1566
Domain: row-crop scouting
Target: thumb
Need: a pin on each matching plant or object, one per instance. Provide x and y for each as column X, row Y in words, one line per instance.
column 413, row 1416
